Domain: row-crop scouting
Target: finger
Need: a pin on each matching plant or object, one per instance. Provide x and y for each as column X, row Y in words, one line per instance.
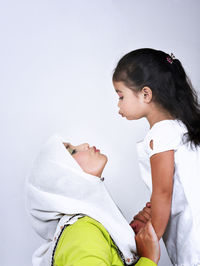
column 147, row 210
column 137, row 224
column 142, row 214
column 133, row 223
column 145, row 214
column 140, row 232
column 140, row 218
column 150, row 230
column 148, row 204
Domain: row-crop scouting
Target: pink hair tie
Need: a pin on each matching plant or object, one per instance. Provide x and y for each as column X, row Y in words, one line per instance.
column 171, row 58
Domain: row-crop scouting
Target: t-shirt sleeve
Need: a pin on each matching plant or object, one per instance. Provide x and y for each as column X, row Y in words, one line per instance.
column 83, row 245
column 145, row 262
column 163, row 137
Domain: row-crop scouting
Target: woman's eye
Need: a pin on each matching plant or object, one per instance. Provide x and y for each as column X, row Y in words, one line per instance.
column 121, row 98
column 70, row 150
column 73, row 152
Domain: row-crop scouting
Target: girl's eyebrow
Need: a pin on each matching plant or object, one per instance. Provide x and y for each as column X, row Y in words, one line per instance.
column 118, row 91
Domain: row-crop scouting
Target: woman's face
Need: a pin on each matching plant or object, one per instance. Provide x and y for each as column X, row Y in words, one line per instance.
column 89, row 158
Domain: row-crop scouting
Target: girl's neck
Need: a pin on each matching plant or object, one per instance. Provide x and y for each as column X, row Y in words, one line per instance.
column 156, row 115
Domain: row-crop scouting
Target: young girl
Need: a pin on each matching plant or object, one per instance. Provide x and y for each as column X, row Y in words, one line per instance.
column 154, row 85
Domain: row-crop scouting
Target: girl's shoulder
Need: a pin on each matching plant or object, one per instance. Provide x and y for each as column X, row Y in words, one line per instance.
column 167, row 129
column 171, row 125
column 165, row 135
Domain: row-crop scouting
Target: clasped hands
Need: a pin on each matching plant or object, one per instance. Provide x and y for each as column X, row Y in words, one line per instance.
column 146, row 238
column 139, row 220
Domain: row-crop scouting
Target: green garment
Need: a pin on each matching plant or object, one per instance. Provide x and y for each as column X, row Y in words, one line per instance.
column 87, row 243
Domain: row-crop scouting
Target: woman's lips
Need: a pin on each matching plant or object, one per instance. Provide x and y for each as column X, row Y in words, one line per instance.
column 96, row 150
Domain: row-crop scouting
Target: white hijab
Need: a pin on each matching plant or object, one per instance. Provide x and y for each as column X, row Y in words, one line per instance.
column 57, row 188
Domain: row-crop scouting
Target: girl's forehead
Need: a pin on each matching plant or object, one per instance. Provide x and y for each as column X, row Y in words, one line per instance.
column 120, row 86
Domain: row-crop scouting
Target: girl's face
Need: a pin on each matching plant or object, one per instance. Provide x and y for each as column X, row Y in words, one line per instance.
column 89, row 158
column 131, row 105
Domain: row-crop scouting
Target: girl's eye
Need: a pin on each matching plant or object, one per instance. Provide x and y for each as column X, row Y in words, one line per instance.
column 121, row 98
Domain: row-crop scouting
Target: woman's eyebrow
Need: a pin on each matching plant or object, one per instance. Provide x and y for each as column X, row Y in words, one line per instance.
column 67, row 145
column 118, row 91
column 69, row 148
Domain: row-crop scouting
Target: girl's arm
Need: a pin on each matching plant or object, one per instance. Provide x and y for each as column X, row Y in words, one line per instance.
column 162, row 170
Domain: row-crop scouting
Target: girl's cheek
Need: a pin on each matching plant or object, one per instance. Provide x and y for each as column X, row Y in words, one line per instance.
column 120, row 103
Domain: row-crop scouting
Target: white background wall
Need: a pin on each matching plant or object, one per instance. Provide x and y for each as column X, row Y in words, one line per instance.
column 57, row 59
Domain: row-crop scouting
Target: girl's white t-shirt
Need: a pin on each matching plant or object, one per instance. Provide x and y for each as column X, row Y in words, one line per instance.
column 182, row 235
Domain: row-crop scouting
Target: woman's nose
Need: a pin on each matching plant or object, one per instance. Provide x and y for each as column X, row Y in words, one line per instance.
column 85, row 146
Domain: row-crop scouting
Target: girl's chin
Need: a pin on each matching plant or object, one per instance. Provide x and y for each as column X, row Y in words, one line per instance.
column 132, row 118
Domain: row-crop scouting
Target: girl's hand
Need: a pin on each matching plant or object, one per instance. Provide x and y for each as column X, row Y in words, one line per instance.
column 141, row 218
column 145, row 214
column 137, row 225
column 147, row 243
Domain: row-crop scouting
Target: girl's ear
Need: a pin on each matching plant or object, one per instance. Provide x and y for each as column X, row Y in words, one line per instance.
column 147, row 94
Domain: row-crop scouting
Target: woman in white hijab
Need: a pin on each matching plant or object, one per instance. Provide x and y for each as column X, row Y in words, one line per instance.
column 65, row 193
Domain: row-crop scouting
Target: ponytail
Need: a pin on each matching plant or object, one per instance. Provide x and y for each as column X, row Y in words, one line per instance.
column 187, row 109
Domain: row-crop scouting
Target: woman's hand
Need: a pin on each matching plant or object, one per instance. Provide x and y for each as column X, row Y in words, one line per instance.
column 147, row 243
column 140, row 220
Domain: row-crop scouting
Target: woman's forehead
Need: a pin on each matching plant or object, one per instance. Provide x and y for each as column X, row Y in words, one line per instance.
column 68, row 144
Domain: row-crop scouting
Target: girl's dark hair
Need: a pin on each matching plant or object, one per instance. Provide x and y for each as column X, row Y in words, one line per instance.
column 170, row 86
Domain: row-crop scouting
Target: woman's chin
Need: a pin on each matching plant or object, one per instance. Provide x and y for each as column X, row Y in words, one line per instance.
column 106, row 158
